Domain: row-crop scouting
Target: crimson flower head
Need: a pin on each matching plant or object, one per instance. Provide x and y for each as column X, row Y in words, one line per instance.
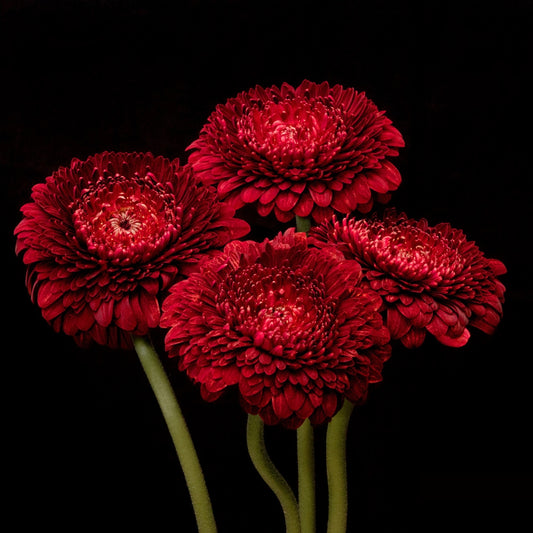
column 307, row 151
column 286, row 324
column 432, row 279
column 102, row 238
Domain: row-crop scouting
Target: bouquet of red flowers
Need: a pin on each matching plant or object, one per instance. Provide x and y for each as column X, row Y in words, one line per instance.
column 299, row 324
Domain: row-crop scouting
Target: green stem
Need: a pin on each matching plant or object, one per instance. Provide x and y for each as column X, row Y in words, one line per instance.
column 336, row 469
column 255, row 438
column 179, row 432
column 306, row 449
column 303, row 224
column 306, row 476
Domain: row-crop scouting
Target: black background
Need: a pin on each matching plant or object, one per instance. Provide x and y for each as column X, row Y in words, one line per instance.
column 445, row 440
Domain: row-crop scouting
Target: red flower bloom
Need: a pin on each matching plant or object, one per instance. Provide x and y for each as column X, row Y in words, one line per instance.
column 289, row 325
column 102, row 238
column 304, row 151
column 431, row 279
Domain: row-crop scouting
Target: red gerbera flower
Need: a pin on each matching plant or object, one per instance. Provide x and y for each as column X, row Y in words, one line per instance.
column 304, row 151
column 102, row 238
column 287, row 324
column 431, row 279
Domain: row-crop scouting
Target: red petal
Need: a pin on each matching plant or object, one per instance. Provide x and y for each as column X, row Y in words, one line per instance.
column 322, row 199
column 320, row 214
column 447, row 315
column 280, row 406
column 455, row 342
column 366, row 207
column 304, row 206
column 85, row 319
column 408, row 311
column 361, row 190
column 392, row 175
column 497, row 267
column 295, row 397
column 306, row 409
column 104, row 313
column 317, row 186
column 268, row 416
column 283, row 216
column 49, row 293
column 269, row 195
column 150, row 308
column 264, row 210
column 54, row 310
column 298, row 188
column 124, row 315
column 250, row 194
column 414, row 338
column 246, row 386
column 286, row 200
column 226, row 186
column 377, row 182
column 339, row 203
column 437, row 326
column 329, row 404
column 483, row 325
column 397, row 324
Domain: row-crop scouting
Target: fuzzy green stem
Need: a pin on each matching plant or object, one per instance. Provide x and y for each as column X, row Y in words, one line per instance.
column 303, row 224
column 336, row 469
column 179, row 432
column 255, row 438
column 306, row 477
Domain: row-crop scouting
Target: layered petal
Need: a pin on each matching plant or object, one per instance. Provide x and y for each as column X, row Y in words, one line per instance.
column 102, row 238
column 313, row 149
column 432, row 279
column 289, row 324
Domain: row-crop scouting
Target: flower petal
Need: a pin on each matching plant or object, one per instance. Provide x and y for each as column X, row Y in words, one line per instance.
column 250, row 194
column 286, row 200
column 304, row 206
column 322, row 199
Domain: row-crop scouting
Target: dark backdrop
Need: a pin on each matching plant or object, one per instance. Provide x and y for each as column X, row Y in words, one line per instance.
column 446, row 438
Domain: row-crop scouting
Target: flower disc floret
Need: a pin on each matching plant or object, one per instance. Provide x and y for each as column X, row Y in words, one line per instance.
column 432, row 279
column 305, row 151
column 286, row 324
column 126, row 220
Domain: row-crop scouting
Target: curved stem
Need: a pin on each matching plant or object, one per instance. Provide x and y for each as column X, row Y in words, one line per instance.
column 303, row 224
column 336, row 469
column 255, row 438
column 306, row 477
column 179, row 432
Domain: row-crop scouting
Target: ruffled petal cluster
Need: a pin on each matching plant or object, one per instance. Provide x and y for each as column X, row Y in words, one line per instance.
column 288, row 325
column 102, row 238
column 432, row 279
column 306, row 151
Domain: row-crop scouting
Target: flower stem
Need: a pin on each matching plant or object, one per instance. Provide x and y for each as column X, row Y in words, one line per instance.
column 179, row 432
column 303, row 224
column 255, row 438
column 306, row 476
column 336, row 469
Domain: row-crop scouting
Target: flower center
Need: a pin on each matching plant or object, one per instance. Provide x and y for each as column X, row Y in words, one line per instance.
column 125, row 220
column 281, row 310
column 294, row 133
column 414, row 255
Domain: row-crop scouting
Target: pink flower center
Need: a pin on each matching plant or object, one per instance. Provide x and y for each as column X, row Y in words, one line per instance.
column 283, row 311
column 126, row 220
column 294, row 134
column 413, row 255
